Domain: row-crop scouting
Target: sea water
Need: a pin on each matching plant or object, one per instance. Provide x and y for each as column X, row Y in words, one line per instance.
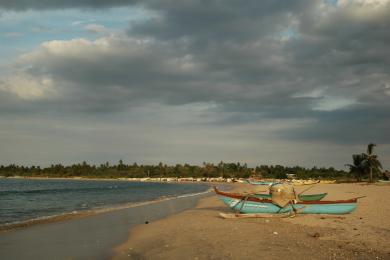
column 28, row 199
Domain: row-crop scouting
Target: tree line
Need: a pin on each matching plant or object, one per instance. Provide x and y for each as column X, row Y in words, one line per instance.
column 207, row 170
column 365, row 165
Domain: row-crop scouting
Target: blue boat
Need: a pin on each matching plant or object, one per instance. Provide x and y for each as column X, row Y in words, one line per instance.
column 260, row 182
column 253, row 205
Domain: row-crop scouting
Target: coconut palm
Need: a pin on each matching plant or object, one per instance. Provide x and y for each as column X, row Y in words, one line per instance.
column 370, row 161
column 365, row 163
column 357, row 167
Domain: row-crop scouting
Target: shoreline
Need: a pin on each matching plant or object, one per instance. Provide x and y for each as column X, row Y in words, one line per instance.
column 144, row 179
column 214, row 180
column 66, row 216
column 89, row 237
column 199, row 233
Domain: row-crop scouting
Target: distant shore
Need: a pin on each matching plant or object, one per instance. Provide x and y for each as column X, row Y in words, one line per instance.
column 178, row 180
column 200, row 233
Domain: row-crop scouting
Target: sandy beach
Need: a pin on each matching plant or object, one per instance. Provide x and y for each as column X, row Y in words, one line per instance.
column 200, row 233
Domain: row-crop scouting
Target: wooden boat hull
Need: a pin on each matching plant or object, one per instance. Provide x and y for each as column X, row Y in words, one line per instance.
column 253, row 205
column 311, row 197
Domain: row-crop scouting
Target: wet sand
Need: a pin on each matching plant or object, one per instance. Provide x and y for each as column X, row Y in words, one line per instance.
column 200, row 233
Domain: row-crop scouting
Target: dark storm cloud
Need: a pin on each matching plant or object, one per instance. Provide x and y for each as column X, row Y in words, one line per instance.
column 349, row 126
column 209, row 21
column 258, row 60
column 21, row 5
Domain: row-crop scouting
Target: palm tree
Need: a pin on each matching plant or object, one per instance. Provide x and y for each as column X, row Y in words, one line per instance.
column 370, row 161
column 221, row 167
column 357, row 167
column 365, row 163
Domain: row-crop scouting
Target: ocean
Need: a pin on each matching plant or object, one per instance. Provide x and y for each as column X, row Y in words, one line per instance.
column 22, row 200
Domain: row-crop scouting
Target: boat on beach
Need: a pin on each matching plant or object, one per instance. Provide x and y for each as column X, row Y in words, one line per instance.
column 253, row 205
column 253, row 182
column 294, row 182
column 304, row 182
column 301, row 197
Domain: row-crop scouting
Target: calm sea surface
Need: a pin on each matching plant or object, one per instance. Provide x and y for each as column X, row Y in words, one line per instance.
column 22, row 199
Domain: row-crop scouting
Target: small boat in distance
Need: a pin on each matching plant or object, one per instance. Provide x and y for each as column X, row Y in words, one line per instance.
column 294, row 182
column 253, row 182
column 304, row 182
column 253, row 205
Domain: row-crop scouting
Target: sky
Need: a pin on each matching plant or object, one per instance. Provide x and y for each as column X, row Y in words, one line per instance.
column 259, row 82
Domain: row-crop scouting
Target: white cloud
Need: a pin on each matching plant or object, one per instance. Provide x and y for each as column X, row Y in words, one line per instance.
column 27, row 87
column 363, row 3
column 364, row 10
column 75, row 23
column 387, row 89
column 329, row 103
column 96, row 28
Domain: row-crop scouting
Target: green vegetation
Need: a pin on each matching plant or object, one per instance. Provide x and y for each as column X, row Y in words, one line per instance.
column 366, row 165
column 357, row 169
column 122, row 170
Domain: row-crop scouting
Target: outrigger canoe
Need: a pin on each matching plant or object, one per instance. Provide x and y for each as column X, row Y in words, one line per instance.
column 260, row 182
column 253, row 205
column 304, row 182
column 301, row 197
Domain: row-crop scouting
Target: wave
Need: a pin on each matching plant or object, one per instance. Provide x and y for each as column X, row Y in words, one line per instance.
column 84, row 213
column 59, row 190
column 194, row 194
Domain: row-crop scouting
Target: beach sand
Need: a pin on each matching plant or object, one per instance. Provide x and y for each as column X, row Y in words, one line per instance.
column 200, row 233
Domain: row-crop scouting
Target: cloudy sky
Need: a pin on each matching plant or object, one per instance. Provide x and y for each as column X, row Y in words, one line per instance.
column 264, row 82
